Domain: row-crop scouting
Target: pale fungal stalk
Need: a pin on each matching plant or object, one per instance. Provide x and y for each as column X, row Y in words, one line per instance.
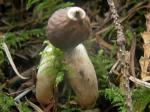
column 83, row 78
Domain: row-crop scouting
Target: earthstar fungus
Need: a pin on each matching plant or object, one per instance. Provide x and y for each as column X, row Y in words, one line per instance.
column 67, row 29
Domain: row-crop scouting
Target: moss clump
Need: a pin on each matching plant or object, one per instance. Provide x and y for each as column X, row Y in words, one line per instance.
column 52, row 63
column 6, row 102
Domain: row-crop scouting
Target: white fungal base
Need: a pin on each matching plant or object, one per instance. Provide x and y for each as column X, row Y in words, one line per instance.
column 82, row 78
column 45, row 79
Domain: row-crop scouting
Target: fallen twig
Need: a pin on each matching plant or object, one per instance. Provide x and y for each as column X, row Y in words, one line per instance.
column 27, row 73
column 132, row 55
column 35, row 107
column 122, row 53
column 103, row 43
column 139, row 82
column 17, row 98
column 11, row 61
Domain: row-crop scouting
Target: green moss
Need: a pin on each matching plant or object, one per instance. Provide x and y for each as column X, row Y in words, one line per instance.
column 115, row 96
column 102, row 63
column 52, row 63
column 6, row 102
column 23, row 107
column 141, row 97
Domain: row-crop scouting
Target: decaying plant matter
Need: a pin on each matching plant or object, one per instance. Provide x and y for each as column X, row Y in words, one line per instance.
column 145, row 60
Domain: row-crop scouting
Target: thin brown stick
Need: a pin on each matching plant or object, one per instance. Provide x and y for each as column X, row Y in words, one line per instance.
column 121, row 43
column 132, row 55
